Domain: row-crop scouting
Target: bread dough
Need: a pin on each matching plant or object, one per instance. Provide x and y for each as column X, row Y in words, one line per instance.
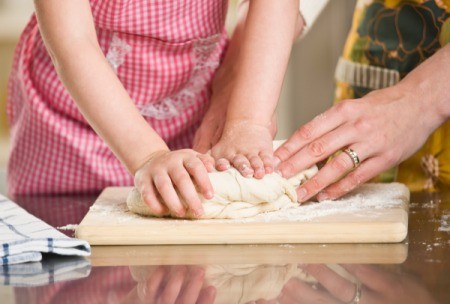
column 241, row 283
column 245, row 283
column 248, row 283
column 236, row 196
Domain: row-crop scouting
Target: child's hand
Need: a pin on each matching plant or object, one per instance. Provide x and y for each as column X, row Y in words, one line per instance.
column 168, row 174
column 247, row 146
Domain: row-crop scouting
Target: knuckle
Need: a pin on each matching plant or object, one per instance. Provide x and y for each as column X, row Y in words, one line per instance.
column 305, row 132
column 315, row 184
column 162, row 184
column 288, row 168
column 181, row 178
column 355, row 179
column 283, row 152
column 316, row 148
column 340, row 164
column 346, row 107
column 363, row 125
column 391, row 157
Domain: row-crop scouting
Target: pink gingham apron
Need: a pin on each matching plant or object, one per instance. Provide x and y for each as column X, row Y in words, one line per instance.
column 164, row 52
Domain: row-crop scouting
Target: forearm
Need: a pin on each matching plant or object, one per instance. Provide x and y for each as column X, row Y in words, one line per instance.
column 264, row 40
column 82, row 67
column 429, row 85
column 107, row 106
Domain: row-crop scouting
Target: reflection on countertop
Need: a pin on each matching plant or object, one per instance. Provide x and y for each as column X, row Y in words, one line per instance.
column 415, row 271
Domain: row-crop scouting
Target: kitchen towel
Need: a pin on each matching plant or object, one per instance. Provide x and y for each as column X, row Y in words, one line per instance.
column 24, row 237
column 52, row 269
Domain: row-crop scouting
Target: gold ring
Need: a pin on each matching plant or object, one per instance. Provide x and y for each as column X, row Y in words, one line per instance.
column 357, row 298
column 352, row 154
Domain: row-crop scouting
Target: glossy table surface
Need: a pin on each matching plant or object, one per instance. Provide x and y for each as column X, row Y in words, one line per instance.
column 415, row 271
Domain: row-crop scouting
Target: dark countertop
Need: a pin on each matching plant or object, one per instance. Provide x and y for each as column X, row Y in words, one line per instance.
column 415, row 271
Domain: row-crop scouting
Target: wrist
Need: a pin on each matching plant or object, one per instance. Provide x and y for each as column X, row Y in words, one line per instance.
column 243, row 122
column 145, row 160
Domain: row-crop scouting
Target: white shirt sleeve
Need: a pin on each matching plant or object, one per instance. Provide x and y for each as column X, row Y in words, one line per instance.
column 310, row 10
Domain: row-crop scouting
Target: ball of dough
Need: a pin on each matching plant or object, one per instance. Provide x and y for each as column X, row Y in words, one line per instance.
column 236, row 196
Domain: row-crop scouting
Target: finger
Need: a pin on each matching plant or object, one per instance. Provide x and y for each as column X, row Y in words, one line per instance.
column 334, row 170
column 154, row 283
column 242, row 164
column 191, row 290
column 208, row 161
column 317, row 127
column 222, row 164
column 284, row 298
column 149, row 196
column 339, row 287
column 368, row 169
column 373, row 277
column 207, row 295
column 166, row 190
column 301, row 291
column 183, row 182
column 173, row 285
column 268, row 161
column 257, row 165
column 197, row 170
column 317, row 150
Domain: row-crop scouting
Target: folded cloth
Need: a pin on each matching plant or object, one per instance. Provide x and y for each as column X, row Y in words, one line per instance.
column 24, row 237
column 50, row 270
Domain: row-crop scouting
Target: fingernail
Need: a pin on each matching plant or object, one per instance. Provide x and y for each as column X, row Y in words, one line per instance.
column 301, row 194
column 198, row 212
column 322, row 196
column 209, row 195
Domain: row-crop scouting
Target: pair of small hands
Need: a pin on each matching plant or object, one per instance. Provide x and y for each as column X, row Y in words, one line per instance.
column 218, row 144
column 246, row 147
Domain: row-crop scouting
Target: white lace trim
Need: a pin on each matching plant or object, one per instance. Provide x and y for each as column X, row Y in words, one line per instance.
column 204, row 64
column 117, row 52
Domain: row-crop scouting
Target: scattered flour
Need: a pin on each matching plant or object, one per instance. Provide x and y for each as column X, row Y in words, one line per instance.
column 368, row 200
column 445, row 225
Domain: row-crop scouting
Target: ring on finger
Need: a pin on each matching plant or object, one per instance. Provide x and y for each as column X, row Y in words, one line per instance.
column 357, row 298
column 354, row 157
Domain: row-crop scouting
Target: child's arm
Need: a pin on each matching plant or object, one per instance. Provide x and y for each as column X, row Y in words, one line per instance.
column 68, row 30
column 246, row 142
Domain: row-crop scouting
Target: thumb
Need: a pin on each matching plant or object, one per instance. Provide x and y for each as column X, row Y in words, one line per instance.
column 203, row 139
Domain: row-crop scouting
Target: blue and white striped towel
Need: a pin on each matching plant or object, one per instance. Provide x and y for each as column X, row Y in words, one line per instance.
column 50, row 270
column 24, row 237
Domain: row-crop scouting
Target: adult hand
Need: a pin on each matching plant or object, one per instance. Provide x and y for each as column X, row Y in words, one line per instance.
column 166, row 171
column 383, row 128
column 376, row 285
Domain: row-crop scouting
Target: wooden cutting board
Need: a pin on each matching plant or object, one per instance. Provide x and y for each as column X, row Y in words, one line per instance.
column 375, row 213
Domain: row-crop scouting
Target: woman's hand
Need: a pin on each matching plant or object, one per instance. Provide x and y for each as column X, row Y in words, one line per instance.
column 382, row 128
column 166, row 181
column 247, row 146
column 377, row 285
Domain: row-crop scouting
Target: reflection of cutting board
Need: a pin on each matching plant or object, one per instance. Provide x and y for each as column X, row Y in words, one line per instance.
column 376, row 213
